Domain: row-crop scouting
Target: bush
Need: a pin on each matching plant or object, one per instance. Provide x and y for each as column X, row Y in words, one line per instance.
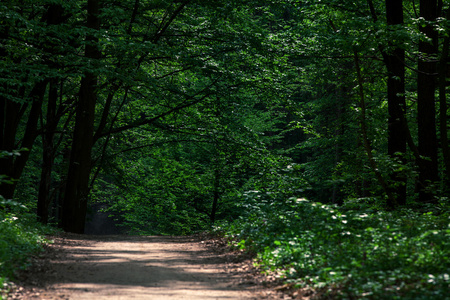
column 20, row 236
column 348, row 253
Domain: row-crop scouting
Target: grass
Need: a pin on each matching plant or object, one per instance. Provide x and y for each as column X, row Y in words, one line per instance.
column 348, row 252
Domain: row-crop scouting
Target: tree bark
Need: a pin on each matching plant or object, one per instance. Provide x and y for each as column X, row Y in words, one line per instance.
column 13, row 166
column 48, row 155
column 396, row 103
column 77, row 188
column 216, row 195
column 9, row 121
column 10, row 117
column 426, row 113
column 54, row 17
column 443, row 110
column 363, row 126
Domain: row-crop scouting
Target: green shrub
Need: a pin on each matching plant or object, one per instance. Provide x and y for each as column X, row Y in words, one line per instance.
column 347, row 253
column 20, row 236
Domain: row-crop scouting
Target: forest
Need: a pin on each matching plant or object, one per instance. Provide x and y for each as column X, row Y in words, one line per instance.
column 311, row 133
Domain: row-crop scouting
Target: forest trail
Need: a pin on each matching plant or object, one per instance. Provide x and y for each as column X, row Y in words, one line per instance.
column 141, row 267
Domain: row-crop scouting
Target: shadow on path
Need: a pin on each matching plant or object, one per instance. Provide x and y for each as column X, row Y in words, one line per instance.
column 136, row 267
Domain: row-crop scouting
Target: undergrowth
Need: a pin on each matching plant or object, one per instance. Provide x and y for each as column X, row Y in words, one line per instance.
column 20, row 237
column 347, row 252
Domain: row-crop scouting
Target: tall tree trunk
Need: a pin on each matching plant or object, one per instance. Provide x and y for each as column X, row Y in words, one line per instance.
column 443, row 110
column 9, row 121
column 48, row 155
column 77, row 188
column 396, row 102
column 426, row 114
column 14, row 165
column 10, row 117
column 216, row 194
column 54, row 17
column 365, row 138
column 13, row 112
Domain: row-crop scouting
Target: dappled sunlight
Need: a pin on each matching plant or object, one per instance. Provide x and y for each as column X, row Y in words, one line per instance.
column 145, row 267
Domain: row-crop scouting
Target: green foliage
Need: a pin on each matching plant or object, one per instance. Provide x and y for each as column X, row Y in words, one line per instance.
column 169, row 186
column 347, row 253
column 218, row 110
column 20, row 237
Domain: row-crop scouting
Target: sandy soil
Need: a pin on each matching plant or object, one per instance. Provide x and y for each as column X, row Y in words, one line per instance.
column 134, row 267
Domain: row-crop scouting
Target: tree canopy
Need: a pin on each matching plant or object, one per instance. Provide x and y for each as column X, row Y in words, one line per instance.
column 181, row 115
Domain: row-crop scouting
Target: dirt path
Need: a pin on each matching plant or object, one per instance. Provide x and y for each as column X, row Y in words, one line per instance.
column 133, row 267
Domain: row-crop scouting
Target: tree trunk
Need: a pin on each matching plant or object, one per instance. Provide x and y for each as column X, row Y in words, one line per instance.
column 54, row 17
column 77, row 188
column 216, row 195
column 365, row 138
column 396, row 103
column 13, row 166
column 12, row 113
column 10, row 116
column 443, row 111
column 426, row 113
column 48, row 155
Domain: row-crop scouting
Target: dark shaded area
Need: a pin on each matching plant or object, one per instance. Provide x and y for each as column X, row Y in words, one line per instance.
column 99, row 222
